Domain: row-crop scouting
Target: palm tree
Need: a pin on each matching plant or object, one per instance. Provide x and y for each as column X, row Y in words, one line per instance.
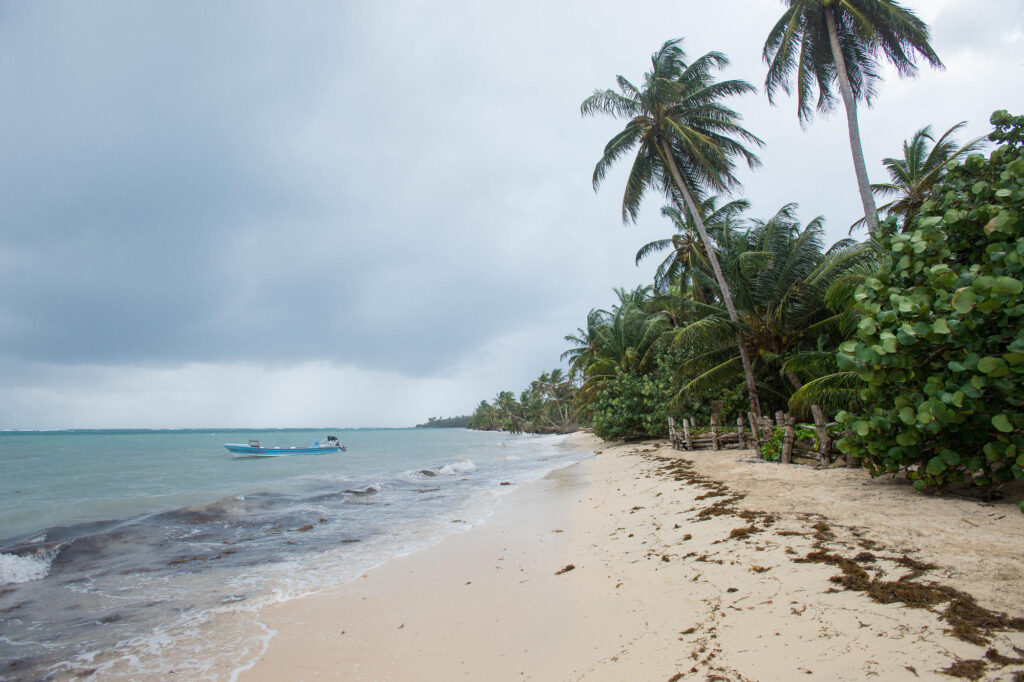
column 825, row 41
column 686, row 142
column 780, row 274
column 622, row 339
column 913, row 176
column 687, row 250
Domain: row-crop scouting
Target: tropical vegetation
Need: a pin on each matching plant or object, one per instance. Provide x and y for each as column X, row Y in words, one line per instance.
column 911, row 339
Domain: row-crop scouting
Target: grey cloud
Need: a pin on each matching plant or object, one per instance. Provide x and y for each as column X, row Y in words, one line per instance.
column 386, row 185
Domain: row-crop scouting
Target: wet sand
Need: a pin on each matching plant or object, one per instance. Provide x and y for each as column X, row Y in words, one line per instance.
column 644, row 563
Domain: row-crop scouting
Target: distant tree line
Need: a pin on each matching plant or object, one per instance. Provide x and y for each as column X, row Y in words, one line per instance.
column 446, row 422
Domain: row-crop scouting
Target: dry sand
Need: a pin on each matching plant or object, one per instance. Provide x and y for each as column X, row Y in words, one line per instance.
column 680, row 566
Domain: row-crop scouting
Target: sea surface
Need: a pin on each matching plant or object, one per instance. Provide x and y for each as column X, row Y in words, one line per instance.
column 134, row 554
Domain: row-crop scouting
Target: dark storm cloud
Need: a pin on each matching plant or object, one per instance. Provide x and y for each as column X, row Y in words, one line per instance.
column 187, row 183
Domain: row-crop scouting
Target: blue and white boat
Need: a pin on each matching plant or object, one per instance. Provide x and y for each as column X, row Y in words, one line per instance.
column 254, row 449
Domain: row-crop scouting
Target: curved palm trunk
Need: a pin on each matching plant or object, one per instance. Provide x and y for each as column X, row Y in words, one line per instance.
column 866, row 198
column 748, row 371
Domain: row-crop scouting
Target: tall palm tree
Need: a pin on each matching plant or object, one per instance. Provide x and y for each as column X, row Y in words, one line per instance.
column 686, row 248
column 822, row 42
column 687, row 142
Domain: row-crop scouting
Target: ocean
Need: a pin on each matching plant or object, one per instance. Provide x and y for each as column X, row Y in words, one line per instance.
column 128, row 554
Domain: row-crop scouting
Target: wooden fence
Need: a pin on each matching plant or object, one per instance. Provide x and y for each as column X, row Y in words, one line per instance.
column 718, row 437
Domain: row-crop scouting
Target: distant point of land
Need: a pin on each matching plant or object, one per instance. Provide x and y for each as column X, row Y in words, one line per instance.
column 445, row 423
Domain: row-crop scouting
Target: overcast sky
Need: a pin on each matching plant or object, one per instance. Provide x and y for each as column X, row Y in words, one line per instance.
column 366, row 213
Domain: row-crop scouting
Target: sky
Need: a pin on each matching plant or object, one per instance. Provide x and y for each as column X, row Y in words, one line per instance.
column 270, row 214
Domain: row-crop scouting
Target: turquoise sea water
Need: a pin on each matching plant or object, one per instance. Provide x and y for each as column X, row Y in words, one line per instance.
column 130, row 553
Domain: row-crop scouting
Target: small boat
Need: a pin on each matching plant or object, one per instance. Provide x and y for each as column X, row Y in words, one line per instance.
column 254, row 449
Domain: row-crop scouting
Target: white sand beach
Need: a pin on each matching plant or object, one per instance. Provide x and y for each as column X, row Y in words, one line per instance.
column 645, row 563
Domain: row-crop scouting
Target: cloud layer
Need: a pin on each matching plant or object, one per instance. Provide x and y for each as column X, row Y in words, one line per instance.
column 200, row 198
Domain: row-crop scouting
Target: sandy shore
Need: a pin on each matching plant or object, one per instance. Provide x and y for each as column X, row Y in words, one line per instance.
column 648, row 564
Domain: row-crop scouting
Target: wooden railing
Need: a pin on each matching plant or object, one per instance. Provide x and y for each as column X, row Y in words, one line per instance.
column 694, row 437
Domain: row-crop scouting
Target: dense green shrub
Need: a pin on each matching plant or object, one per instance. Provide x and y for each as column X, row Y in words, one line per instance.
column 632, row 406
column 940, row 341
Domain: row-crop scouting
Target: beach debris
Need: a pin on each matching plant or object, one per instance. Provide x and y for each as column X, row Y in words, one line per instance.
column 565, row 569
column 425, row 490
column 967, row 669
column 505, row 483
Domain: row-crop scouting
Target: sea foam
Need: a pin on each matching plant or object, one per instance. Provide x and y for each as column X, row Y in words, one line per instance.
column 457, row 467
column 22, row 569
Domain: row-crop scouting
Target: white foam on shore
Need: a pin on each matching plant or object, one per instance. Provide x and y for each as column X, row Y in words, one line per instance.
column 16, row 569
column 457, row 467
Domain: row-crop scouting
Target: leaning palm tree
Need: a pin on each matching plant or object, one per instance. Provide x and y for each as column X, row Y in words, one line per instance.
column 822, row 42
column 686, row 142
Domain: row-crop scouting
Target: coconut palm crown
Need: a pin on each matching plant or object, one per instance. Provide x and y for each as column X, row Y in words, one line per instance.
column 825, row 43
column 677, row 107
column 922, row 165
column 686, row 248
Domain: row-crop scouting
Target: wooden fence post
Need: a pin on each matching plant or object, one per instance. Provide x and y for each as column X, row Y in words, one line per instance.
column 780, row 418
column 851, row 461
column 714, row 431
column 739, row 432
column 787, row 441
column 824, row 442
column 756, row 432
column 686, row 433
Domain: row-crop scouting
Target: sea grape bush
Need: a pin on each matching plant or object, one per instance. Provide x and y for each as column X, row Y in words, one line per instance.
column 631, row 406
column 940, row 343
column 634, row 406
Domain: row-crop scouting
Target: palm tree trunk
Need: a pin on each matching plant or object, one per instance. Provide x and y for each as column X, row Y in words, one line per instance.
column 866, row 198
column 748, row 371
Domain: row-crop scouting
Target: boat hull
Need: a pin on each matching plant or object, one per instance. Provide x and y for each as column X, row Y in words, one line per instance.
column 251, row 451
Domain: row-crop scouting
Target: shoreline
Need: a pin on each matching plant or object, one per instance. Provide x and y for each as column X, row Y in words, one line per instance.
column 683, row 566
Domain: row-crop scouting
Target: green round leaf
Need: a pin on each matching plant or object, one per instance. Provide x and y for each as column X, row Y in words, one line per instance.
column 989, row 364
column 1007, row 285
column 1002, row 422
